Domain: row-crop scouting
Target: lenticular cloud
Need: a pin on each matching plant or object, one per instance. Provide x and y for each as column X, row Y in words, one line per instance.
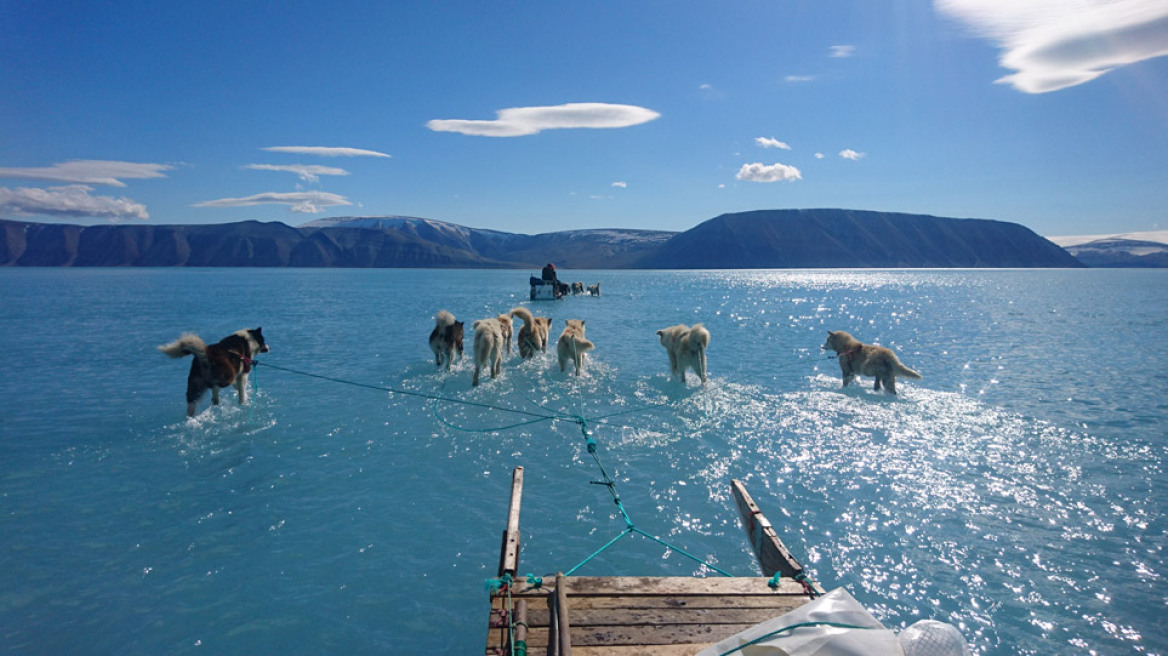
column 310, row 202
column 759, row 172
column 1055, row 44
column 74, row 201
column 522, row 121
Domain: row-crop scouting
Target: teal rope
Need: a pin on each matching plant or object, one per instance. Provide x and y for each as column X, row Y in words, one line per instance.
column 787, row 629
column 392, row 390
column 630, row 528
column 440, row 418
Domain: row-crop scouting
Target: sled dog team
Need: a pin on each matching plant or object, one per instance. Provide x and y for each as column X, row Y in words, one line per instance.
column 229, row 361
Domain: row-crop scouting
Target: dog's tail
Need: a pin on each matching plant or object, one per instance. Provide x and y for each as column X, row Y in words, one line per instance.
column 525, row 314
column 902, row 370
column 699, row 337
column 188, row 344
column 443, row 319
column 582, row 345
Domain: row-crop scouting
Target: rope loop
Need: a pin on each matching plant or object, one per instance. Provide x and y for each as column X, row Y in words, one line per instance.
column 535, row 581
column 503, row 583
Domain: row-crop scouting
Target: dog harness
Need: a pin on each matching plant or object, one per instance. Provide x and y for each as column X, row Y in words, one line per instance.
column 850, row 355
column 244, row 360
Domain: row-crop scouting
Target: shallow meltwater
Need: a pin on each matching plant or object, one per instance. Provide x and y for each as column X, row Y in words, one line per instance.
column 356, row 505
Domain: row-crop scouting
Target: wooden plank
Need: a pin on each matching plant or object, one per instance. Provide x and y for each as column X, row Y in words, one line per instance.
column 521, row 626
column 678, row 586
column 642, row 650
column 509, row 554
column 665, row 616
column 563, row 627
column 591, row 636
column 773, row 556
column 693, row 601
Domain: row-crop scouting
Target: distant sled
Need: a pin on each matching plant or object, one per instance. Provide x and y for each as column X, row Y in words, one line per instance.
column 545, row 290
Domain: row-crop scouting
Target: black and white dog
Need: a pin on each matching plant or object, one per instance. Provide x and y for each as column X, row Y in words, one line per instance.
column 218, row 365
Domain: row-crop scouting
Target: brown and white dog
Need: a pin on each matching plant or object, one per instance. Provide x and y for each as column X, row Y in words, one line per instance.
column 488, row 347
column 533, row 335
column 573, row 345
column 577, row 288
column 686, row 346
column 218, row 365
column 867, row 360
column 594, row 290
column 446, row 339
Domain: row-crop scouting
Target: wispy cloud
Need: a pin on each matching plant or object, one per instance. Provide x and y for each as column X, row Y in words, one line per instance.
column 621, row 184
column 850, row 154
column 522, row 121
column 842, row 51
column 771, row 142
column 796, row 79
column 759, row 172
column 819, row 155
column 325, row 151
column 310, row 202
column 307, row 173
column 71, row 201
column 1054, row 44
column 88, row 171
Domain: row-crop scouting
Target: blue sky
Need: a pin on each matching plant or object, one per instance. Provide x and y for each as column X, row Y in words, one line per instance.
column 535, row 117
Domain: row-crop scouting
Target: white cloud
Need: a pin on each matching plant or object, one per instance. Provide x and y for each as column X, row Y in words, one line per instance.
column 310, row 202
column 88, row 171
column 522, row 121
column 706, row 87
column 325, row 151
column 850, row 154
column 1055, row 44
column 771, row 142
column 842, row 51
column 799, row 78
column 307, row 173
column 759, row 172
column 71, row 201
column 620, row 183
column 819, row 155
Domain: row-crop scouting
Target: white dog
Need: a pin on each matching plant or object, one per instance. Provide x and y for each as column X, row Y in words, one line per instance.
column 572, row 344
column 488, row 347
column 686, row 346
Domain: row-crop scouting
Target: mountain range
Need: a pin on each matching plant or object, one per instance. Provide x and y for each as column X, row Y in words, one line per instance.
column 819, row 238
column 1130, row 250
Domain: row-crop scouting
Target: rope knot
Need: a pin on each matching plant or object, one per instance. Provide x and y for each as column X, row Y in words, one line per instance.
column 535, row 581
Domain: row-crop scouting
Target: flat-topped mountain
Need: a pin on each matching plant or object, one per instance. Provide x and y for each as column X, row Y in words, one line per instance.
column 768, row 239
column 763, row 239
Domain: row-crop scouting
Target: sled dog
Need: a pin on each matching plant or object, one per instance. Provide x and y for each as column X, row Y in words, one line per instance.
column 488, row 347
column 686, row 346
column 867, row 360
column 446, row 339
column 218, row 365
column 572, row 344
column 594, row 290
column 533, row 335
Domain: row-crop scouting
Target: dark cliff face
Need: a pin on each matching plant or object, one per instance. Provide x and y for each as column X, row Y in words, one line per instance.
column 854, row 239
column 763, row 239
